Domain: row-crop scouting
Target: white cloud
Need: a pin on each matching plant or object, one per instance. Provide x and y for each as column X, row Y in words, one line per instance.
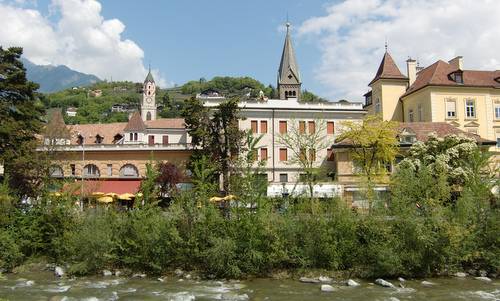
column 352, row 33
column 80, row 39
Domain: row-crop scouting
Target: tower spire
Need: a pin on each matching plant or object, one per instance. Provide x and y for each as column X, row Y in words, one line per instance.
column 288, row 73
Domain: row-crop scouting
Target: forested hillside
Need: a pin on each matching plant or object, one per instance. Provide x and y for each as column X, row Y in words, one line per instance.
column 94, row 108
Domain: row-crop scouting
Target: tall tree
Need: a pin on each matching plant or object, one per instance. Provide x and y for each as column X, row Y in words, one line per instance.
column 304, row 144
column 215, row 133
column 374, row 145
column 169, row 175
column 21, row 114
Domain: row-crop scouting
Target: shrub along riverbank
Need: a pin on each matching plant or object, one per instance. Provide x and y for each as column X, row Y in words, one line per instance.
column 192, row 234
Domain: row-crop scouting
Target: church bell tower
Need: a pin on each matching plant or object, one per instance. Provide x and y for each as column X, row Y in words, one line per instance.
column 148, row 104
column 289, row 84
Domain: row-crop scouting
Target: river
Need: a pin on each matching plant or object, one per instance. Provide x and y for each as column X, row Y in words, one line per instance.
column 44, row 286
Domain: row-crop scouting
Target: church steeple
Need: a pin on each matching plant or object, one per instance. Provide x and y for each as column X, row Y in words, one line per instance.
column 288, row 73
column 148, row 104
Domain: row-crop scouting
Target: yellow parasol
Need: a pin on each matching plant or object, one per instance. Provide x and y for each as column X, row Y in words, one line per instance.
column 216, row 199
column 97, row 194
column 111, row 194
column 55, row 194
column 105, row 199
column 126, row 196
column 230, row 197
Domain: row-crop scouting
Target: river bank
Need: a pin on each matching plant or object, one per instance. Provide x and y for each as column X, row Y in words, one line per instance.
column 45, row 286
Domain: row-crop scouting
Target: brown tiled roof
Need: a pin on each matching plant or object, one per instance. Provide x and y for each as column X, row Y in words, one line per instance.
column 423, row 129
column 387, row 70
column 56, row 127
column 441, row 129
column 165, row 123
column 135, row 123
column 107, row 131
column 438, row 73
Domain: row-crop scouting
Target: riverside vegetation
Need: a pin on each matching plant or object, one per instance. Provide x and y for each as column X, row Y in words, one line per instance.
column 440, row 217
column 444, row 235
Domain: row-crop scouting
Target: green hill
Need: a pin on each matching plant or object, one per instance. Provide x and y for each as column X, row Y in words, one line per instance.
column 92, row 109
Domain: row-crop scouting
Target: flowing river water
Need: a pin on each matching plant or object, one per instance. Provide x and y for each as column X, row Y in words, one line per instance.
column 44, row 286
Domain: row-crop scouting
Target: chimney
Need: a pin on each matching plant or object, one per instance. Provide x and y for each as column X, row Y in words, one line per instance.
column 411, row 69
column 457, row 62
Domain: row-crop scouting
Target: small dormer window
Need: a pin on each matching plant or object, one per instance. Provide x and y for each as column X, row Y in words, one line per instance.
column 407, row 136
column 98, row 139
column 80, row 139
column 457, row 77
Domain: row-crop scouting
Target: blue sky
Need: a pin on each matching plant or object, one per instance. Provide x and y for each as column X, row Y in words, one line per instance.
column 339, row 44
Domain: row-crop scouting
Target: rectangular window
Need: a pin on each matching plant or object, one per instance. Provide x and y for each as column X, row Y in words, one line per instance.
column 497, row 110
column 312, row 127
column 253, row 125
column 330, row 127
column 451, row 109
column 151, row 140
column 303, row 155
column 470, row 108
column 377, row 106
column 283, row 127
column 329, row 155
column 420, row 113
column 410, row 115
column 73, row 169
column 302, row 127
column 312, row 155
column 263, row 127
column 263, row 154
column 164, row 140
column 110, row 170
column 283, row 154
column 283, row 177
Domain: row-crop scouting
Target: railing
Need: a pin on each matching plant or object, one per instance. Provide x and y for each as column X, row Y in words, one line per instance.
column 118, row 147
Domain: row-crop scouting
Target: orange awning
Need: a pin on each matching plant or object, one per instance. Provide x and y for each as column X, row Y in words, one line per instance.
column 104, row 186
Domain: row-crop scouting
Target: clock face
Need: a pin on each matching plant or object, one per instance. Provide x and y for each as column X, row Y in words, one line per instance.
column 149, row 99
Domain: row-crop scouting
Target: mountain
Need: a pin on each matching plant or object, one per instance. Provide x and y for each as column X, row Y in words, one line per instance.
column 56, row 78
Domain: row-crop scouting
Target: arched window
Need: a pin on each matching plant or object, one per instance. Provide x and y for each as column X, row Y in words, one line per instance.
column 135, row 136
column 56, row 171
column 294, row 93
column 286, row 93
column 91, row 170
column 148, row 116
column 129, row 171
column 131, row 137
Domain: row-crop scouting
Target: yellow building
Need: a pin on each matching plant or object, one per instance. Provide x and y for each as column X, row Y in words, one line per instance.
column 441, row 92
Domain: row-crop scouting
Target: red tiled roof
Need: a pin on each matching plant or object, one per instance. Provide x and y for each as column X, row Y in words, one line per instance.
column 423, row 129
column 135, row 123
column 438, row 73
column 441, row 129
column 89, row 131
column 166, row 123
column 387, row 70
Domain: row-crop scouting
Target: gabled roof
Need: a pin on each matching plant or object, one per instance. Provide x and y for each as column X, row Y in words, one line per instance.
column 387, row 69
column 56, row 127
column 288, row 62
column 135, row 124
column 438, row 74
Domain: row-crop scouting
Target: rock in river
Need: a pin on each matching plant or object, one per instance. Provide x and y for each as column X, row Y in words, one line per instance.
column 427, row 283
column 59, row 272
column 106, row 273
column 327, row 288
column 351, row 282
column 308, row 280
column 325, row 279
column 485, row 279
column 384, row 283
column 460, row 274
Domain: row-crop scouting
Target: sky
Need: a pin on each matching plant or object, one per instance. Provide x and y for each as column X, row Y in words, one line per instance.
column 338, row 44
